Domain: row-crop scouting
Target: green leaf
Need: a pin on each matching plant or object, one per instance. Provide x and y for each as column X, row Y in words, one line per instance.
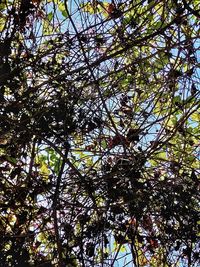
column 104, row 144
column 157, row 25
column 11, row 159
column 61, row 7
column 161, row 155
column 50, row 16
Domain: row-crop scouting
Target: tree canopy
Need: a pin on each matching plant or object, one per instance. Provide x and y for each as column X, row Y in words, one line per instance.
column 99, row 133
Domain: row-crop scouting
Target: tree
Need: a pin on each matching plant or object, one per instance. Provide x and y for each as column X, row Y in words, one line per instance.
column 99, row 133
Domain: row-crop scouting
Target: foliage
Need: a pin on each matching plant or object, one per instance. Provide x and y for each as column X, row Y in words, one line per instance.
column 99, row 133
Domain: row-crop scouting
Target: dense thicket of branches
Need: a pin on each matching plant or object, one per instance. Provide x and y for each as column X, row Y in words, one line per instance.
column 99, row 133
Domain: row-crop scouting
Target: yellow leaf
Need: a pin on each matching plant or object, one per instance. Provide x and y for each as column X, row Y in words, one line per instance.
column 196, row 116
column 41, row 237
column 90, row 8
column 96, row 7
column 12, row 219
column 2, row 23
column 44, row 169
